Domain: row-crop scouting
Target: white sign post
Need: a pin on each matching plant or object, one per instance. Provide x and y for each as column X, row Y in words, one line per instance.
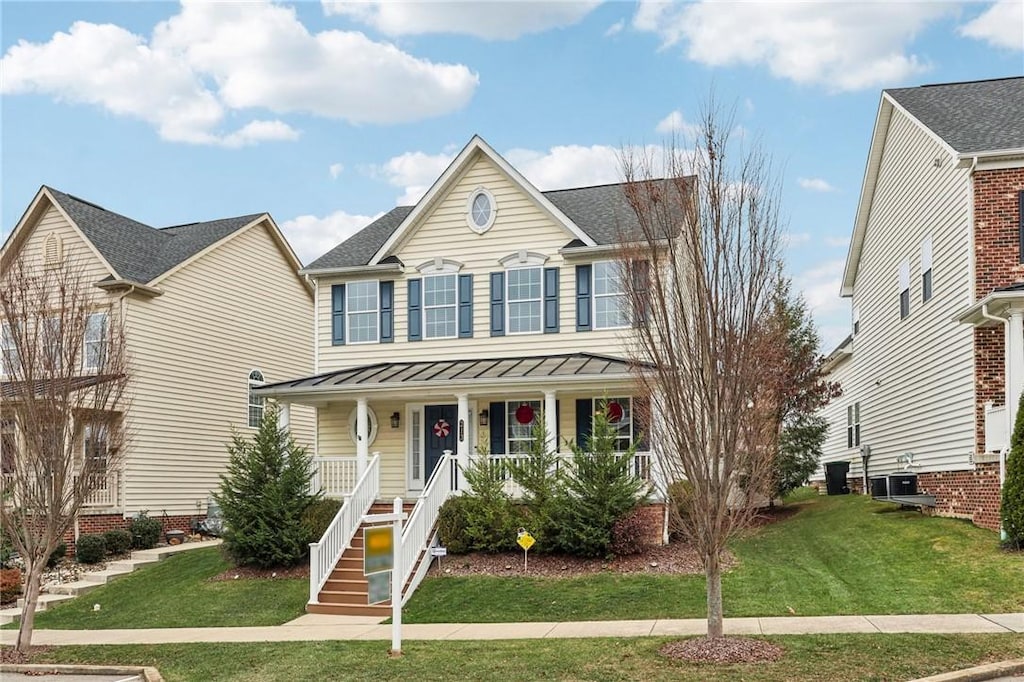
column 395, row 519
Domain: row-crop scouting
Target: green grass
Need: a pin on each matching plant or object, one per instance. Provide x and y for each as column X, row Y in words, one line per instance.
column 176, row 593
column 838, row 555
column 840, row 657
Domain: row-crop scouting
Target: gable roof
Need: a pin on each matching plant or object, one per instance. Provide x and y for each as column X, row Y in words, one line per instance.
column 136, row 251
column 973, row 117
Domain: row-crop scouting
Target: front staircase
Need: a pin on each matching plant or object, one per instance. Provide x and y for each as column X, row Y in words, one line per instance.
column 346, row 591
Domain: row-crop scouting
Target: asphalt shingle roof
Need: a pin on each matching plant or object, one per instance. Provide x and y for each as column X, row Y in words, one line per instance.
column 601, row 211
column 979, row 116
column 137, row 251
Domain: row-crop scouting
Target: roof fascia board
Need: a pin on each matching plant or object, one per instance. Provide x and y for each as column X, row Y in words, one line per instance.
column 352, row 270
column 454, row 170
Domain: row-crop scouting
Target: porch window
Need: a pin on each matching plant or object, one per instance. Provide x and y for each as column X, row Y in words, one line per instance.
column 7, row 446
column 95, row 341
column 610, row 308
column 519, row 436
column 96, row 446
column 623, row 424
column 524, row 300
column 257, row 403
column 853, row 425
column 439, row 306
column 9, row 362
column 362, row 311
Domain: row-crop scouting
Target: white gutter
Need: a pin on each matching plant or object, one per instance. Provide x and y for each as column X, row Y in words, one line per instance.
column 1010, row 413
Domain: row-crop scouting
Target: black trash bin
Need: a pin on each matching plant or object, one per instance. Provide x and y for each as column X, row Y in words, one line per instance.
column 835, row 478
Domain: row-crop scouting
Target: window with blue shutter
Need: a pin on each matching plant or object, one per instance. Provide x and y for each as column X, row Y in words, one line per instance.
column 583, row 295
column 584, row 421
column 550, row 300
column 415, row 310
column 387, row 312
column 497, row 422
column 497, row 304
column 338, row 314
column 465, row 306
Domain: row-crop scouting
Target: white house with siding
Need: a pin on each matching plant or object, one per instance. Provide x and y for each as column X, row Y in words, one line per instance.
column 211, row 311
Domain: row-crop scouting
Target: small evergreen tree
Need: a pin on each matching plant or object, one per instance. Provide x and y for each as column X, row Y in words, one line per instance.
column 800, row 445
column 541, row 480
column 1012, row 508
column 263, row 496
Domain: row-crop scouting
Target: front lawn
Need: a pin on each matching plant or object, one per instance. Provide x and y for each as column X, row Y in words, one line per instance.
column 176, row 592
column 838, row 555
column 840, row 657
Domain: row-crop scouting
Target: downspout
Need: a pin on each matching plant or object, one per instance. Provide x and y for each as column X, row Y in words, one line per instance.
column 1009, row 413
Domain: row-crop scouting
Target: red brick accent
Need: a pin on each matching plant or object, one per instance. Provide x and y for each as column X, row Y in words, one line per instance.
column 89, row 524
column 654, row 518
column 989, row 371
column 965, row 494
column 996, row 221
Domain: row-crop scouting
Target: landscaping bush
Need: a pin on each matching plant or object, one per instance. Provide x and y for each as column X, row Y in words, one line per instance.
column 452, row 525
column 630, row 533
column 484, row 519
column 58, row 553
column 145, row 531
column 118, row 541
column 90, row 549
column 542, row 484
column 10, row 584
column 1012, row 509
column 263, row 497
column 318, row 517
column 6, row 551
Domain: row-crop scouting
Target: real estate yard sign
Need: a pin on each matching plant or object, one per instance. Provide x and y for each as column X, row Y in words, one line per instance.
column 378, row 562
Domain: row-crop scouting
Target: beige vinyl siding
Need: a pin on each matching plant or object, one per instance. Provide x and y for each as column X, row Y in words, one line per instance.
column 835, row 449
column 519, row 225
column 237, row 308
column 914, row 377
column 76, row 250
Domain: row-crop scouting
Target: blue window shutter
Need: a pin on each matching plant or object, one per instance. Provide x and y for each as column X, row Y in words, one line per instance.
column 338, row 314
column 415, row 309
column 550, row 300
column 583, row 293
column 584, row 421
column 497, row 422
column 465, row 306
column 641, row 282
column 497, row 304
column 387, row 311
column 558, row 424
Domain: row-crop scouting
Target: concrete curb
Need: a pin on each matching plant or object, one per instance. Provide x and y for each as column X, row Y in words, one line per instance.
column 149, row 674
column 977, row 673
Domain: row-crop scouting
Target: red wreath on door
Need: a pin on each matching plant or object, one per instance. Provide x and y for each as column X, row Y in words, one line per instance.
column 442, row 428
column 524, row 414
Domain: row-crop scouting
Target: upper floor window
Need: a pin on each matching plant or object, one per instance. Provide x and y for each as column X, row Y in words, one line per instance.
column 480, row 210
column 257, row 403
column 9, row 361
column 856, row 320
column 904, row 289
column 610, row 305
column 95, row 341
column 440, row 315
column 362, row 306
column 853, row 425
column 524, row 300
column 926, row 269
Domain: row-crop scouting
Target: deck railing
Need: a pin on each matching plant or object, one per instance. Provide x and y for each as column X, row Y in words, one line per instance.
column 324, row 555
column 105, row 491
column 641, row 467
column 418, row 532
column 335, row 476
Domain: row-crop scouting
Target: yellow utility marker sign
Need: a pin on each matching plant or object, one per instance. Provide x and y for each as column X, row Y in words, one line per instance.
column 525, row 541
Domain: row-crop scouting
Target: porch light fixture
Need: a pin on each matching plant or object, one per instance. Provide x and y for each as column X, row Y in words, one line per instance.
column 484, row 416
column 396, row 420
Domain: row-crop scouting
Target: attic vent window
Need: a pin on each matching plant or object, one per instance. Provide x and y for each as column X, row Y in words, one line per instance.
column 480, row 210
column 53, row 250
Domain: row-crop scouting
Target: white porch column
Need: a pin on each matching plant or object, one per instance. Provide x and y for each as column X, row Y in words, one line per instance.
column 284, row 416
column 659, row 467
column 462, row 436
column 1014, row 364
column 362, row 435
column 551, row 421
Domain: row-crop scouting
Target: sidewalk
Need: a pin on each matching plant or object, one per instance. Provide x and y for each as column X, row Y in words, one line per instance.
column 314, row 627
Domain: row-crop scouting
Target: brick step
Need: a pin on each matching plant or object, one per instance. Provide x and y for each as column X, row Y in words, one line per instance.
column 350, row 610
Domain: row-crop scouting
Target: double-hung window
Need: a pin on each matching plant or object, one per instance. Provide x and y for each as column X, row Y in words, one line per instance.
column 853, row 425
column 926, row 269
column 9, row 361
column 619, row 412
column 610, row 308
column 96, row 446
column 362, row 311
column 524, row 300
column 519, row 436
column 95, row 341
column 257, row 403
column 440, row 316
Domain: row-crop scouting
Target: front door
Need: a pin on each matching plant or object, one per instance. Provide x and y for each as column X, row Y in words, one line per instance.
column 441, row 425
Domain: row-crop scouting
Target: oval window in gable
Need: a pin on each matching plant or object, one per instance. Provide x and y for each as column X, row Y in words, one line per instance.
column 480, row 210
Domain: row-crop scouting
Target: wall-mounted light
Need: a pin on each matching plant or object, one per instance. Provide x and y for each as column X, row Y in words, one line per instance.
column 396, row 420
column 484, row 416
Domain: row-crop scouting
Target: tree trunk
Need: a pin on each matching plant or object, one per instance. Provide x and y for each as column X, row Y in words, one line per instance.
column 713, row 576
column 28, row 611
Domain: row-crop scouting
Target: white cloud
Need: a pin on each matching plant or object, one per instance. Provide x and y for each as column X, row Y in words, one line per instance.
column 335, row 169
column 414, row 172
column 840, row 45
column 313, row 236
column 488, row 20
column 1001, row 25
column 797, row 238
column 615, row 29
column 838, row 241
column 212, row 59
column 676, row 124
column 815, row 184
column 820, row 287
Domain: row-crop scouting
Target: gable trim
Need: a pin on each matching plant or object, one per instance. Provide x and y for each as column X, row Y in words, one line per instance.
column 454, row 170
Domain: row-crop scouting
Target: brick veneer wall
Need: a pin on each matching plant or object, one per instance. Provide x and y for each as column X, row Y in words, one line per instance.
column 654, row 521
column 989, row 368
column 89, row 524
column 965, row 494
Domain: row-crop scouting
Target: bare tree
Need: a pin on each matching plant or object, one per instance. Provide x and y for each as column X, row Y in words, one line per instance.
column 64, row 394
column 700, row 272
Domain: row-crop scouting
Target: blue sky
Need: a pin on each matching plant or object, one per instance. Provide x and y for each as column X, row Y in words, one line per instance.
column 327, row 114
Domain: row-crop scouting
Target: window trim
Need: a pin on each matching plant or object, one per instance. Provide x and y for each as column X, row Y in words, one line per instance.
column 454, row 305
column 261, row 405
column 371, row 433
column 470, row 200
column 539, row 300
column 594, row 296
column 538, row 407
column 596, row 403
column 349, row 312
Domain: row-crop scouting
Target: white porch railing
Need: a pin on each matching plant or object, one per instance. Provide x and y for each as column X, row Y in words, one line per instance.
column 324, row 555
column 641, row 467
column 418, row 532
column 335, row 476
column 105, row 492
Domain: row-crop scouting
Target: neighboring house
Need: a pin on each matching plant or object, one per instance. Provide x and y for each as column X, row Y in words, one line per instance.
column 936, row 276
column 452, row 326
column 211, row 310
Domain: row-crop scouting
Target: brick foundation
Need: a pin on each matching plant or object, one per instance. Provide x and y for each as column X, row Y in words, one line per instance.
column 965, row 494
column 654, row 520
column 91, row 524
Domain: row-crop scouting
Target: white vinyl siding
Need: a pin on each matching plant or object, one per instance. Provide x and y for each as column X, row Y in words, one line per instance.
column 439, row 311
column 362, row 314
column 523, row 300
column 610, row 310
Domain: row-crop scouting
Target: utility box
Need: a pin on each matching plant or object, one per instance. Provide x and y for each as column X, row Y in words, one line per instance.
column 835, row 478
column 879, row 486
column 902, row 484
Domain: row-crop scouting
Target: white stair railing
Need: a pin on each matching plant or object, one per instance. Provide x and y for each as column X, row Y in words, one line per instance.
column 418, row 532
column 324, row 555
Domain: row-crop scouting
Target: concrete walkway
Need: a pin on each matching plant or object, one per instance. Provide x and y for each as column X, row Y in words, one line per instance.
column 318, row 628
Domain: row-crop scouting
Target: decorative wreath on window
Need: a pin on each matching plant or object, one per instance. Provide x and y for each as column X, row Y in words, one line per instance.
column 614, row 412
column 524, row 414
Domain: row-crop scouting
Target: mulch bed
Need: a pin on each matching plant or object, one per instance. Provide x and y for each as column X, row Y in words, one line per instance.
column 722, row 650
column 248, row 573
column 8, row 654
column 770, row 515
